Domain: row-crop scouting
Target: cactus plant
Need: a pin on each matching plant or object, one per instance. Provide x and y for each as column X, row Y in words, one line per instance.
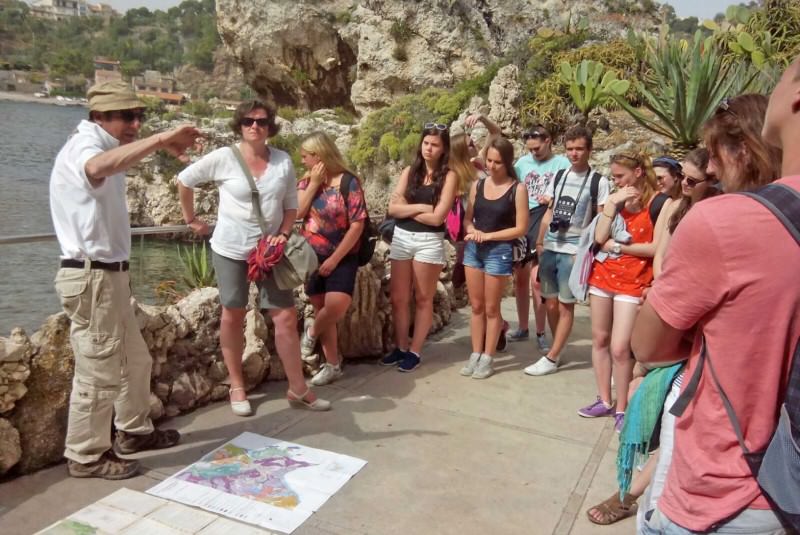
column 684, row 84
column 591, row 84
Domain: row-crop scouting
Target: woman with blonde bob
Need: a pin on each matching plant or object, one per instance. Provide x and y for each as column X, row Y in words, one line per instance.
column 333, row 226
column 616, row 284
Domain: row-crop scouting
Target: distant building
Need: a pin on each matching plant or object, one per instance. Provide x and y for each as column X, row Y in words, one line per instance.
column 59, row 9
column 154, row 82
column 63, row 9
column 106, row 70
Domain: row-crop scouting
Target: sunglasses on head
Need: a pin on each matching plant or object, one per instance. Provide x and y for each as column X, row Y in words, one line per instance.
column 725, row 106
column 692, row 182
column 438, row 126
column 131, row 115
column 248, row 121
column 533, row 135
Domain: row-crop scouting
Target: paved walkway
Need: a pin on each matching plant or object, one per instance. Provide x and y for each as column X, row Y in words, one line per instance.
column 446, row 454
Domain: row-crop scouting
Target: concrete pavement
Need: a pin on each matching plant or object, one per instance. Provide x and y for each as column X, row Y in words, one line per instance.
column 446, row 454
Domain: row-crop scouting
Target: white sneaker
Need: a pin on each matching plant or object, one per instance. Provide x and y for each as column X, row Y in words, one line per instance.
column 543, row 366
column 308, row 344
column 541, row 339
column 484, row 368
column 469, row 368
column 328, row 373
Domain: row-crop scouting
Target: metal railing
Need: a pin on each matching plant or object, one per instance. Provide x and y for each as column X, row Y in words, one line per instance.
column 137, row 231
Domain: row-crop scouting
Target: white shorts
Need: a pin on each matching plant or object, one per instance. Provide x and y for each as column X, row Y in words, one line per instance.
column 620, row 298
column 427, row 247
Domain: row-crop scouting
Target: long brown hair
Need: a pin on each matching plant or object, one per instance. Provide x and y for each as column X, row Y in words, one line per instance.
column 647, row 182
column 461, row 164
column 736, row 125
column 699, row 159
column 506, row 150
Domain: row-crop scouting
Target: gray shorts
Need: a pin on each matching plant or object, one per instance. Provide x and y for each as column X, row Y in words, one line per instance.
column 234, row 286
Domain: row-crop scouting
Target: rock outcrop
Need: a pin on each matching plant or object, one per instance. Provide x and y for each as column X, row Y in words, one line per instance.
column 188, row 368
column 366, row 53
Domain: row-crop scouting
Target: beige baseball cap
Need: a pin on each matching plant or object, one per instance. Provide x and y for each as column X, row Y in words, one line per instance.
column 113, row 96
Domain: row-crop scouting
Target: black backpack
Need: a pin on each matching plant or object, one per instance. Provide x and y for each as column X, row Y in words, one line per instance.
column 369, row 236
column 594, row 187
column 777, row 468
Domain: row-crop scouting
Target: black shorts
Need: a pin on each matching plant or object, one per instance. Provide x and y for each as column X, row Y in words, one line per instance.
column 534, row 224
column 342, row 279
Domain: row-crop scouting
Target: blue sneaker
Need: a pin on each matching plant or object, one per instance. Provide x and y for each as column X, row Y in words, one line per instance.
column 393, row 358
column 409, row 363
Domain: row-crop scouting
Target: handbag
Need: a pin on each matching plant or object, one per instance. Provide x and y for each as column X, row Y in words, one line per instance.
column 386, row 229
column 298, row 260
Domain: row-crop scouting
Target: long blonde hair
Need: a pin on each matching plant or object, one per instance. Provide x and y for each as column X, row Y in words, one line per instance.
column 322, row 146
column 460, row 163
column 640, row 160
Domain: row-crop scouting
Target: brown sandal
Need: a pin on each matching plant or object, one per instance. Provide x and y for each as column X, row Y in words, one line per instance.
column 613, row 510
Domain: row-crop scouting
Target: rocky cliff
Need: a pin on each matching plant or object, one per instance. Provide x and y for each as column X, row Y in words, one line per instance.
column 324, row 53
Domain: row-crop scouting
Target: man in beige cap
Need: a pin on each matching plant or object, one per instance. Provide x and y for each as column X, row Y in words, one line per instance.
column 90, row 216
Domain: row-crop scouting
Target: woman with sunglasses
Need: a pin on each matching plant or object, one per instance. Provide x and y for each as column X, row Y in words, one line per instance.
column 237, row 233
column 333, row 225
column 617, row 282
column 497, row 214
column 420, row 202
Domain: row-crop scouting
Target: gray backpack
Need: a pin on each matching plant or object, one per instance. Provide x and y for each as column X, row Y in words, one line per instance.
column 777, row 468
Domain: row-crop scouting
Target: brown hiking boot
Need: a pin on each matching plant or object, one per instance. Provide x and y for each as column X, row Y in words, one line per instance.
column 108, row 466
column 126, row 443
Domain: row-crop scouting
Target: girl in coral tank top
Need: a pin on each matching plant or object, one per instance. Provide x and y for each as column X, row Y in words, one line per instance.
column 618, row 281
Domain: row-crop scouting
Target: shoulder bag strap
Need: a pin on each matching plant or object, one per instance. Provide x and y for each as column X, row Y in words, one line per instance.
column 594, row 192
column 255, row 198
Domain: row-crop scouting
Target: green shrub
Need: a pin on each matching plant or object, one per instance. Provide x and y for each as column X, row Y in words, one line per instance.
column 291, row 144
column 198, row 272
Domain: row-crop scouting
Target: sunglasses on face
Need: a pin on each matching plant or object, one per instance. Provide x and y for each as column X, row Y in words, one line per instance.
column 248, row 122
column 692, row 182
column 131, row 115
column 437, row 126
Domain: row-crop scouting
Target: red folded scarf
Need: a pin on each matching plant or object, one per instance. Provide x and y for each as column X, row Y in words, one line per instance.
column 262, row 258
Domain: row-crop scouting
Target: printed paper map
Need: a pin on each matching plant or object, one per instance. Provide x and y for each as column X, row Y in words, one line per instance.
column 261, row 480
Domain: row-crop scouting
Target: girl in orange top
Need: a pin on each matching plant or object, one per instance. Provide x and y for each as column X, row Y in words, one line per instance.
column 616, row 285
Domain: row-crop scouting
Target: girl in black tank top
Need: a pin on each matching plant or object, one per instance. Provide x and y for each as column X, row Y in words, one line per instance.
column 420, row 203
column 497, row 214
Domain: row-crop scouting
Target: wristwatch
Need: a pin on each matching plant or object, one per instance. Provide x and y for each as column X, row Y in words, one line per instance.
column 285, row 235
column 616, row 248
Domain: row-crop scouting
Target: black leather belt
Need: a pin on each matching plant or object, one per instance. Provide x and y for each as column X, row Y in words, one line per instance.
column 96, row 264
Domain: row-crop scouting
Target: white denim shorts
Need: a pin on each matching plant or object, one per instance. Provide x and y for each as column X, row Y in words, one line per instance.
column 620, row 298
column 426, row 247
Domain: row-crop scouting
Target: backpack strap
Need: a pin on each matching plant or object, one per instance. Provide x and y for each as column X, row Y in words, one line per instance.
column 656, row 205
column 594, row 191
column 783, row 202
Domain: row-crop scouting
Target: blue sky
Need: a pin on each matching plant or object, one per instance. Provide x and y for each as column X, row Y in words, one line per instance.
column 702, row 9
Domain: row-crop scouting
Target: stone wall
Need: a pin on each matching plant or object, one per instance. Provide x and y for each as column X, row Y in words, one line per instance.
column 188, row 370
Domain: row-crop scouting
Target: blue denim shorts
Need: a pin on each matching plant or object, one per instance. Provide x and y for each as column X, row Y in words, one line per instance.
column 554, row 270
column 493, row 257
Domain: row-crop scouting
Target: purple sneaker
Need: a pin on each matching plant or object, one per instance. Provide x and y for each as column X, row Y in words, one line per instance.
column 596, row 409
column 619, row 421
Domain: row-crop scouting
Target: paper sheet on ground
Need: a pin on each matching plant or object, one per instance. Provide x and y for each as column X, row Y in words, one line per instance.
column 261, row 480
column 127, row 512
